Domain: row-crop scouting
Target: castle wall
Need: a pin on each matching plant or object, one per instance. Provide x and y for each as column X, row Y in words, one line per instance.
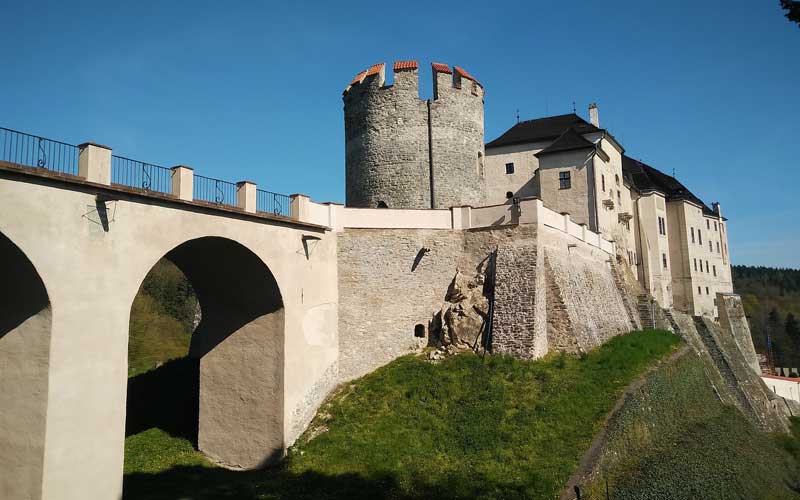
column 574, row 199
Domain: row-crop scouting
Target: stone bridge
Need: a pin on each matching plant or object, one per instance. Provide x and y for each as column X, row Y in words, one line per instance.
column 74, row 251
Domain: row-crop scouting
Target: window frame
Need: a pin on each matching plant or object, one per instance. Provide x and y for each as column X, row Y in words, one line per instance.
column 509, row 168
column 564, row 179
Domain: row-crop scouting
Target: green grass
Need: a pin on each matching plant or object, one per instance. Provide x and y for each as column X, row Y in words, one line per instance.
column 464, row 428
column 674, row 439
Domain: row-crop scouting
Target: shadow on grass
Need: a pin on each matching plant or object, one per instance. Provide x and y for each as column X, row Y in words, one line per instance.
column 166, row 398
column 197, row 483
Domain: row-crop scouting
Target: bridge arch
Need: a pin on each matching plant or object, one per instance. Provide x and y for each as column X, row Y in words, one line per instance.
column 238, row 347
column 25, row 327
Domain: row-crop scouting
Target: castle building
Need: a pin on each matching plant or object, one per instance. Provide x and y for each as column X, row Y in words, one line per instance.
column 403, row 152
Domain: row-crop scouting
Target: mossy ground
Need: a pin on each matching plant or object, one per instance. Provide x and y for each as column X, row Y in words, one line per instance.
column 463, row 428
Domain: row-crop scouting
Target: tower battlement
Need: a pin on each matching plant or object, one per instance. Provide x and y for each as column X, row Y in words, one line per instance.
column 405, row 152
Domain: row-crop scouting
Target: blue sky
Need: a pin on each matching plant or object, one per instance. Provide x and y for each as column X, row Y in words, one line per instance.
column 253, row 90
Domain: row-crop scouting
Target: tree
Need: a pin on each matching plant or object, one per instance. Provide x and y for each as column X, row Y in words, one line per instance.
column 792, row 328
column 792, row 8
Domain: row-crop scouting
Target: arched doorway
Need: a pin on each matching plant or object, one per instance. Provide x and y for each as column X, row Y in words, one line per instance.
column 25, row 322
column 232, row 381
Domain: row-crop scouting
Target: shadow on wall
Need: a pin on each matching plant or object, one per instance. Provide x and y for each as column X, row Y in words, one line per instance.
column 166, row 398
column 278, row 483
column 22, row 294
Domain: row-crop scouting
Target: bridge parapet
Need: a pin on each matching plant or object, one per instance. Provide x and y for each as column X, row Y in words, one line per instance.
column 96, row 163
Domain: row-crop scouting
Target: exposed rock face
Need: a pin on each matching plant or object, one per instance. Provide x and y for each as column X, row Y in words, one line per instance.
column 459, row 323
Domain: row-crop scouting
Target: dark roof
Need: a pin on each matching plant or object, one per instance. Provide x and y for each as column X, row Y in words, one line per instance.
column 542, row 129
column 567, row 141
column 646, row 178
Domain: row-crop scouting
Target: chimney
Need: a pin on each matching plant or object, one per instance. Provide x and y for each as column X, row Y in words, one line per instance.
column 594, row 117
column 716, row 208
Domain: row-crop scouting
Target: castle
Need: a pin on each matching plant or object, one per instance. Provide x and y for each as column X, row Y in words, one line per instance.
column 403, row 152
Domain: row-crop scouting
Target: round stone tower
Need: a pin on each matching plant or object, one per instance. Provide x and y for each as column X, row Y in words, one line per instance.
column 405, row 152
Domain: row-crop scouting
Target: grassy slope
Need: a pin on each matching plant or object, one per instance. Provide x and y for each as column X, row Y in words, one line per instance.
column 673, row 439
column 501, row 428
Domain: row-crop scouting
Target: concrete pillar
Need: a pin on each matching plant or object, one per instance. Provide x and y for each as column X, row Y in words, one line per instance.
column 299, row 206
column 246, row 196
column 183, row 182
column 94, row 163
column 584, row 230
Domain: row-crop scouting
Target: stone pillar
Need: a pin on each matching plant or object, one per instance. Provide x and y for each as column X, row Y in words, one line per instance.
column 299, row 206
column 183, row 182
column 246, row 196
column 94, row 163
column 461, row 217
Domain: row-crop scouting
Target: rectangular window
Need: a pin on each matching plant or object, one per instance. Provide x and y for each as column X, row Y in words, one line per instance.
column 710, row 246
column 714, row 268
column 603, row 182
column 718, row 247
column 699, row 291
column 707, row 270
column 715, row 226
column 664, row 259
column 692, row 234
column 564, row 181
column 695, row 265
column 708, row 224
column 700, row 236
column 707, row 293
column 509, row 168
column 619, row 198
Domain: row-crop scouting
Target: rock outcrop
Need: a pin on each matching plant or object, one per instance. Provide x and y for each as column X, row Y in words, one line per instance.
column 460, row 322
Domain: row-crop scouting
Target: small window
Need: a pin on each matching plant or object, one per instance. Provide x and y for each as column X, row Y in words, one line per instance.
column 616, row 178
column 619, row 198
column 603, row 182
column 692, row 234
column 714, row 269
column 664, row 259
column 695, row 265
column 710, row 246
column 707, row 269
column 700, row 236
column 708, row 224
column 509, row 168
column 707, row 292
column 718, row 247
column 662, row 226
column 715, row 226
column 564, row 180
column 699, row 291
column 509, row 195
column 419, row 330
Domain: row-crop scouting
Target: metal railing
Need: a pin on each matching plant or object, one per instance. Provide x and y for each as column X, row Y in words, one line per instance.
column 214, row 190
column 31, row 150
column 137, row 174
column 272, row 203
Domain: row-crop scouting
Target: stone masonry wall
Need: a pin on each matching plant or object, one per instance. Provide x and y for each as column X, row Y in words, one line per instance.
column 519, row 310
column 388, row 135
column 588, row 293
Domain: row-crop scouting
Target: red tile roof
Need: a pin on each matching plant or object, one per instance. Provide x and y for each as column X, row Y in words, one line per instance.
column 358, row 78
column 400, row 65
column 374, row 69
column 442, row 68
column 464, row 74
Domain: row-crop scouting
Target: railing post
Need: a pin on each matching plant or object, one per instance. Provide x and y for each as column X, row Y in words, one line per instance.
column 94, row 163
column 183, row 182
column 246, row 196
column 299, row 206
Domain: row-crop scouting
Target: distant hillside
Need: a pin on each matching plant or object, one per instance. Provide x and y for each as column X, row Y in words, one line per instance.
column 162, row 318
column 772, row 303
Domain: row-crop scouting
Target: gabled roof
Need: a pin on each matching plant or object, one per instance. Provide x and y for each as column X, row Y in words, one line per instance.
column 646, row 178
column 542, row 129
column 569, row 140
